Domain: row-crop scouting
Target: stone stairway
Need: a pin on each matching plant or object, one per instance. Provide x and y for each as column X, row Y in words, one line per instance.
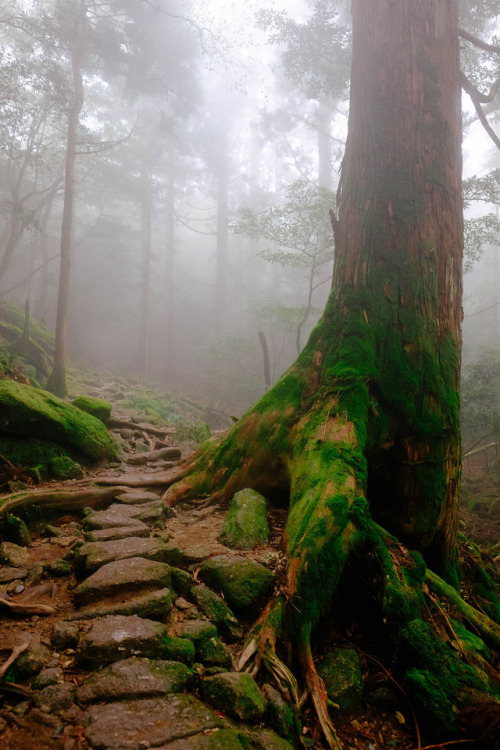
column 145, row 657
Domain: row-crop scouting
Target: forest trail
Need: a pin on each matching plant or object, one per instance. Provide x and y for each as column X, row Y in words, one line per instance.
column 122, row 641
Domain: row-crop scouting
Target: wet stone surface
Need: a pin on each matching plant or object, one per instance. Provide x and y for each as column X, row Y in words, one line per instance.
column 128, row 725
column 120, row 636
column 132, row 574
column 134, row 678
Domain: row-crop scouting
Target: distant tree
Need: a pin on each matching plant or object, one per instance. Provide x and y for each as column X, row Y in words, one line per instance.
column 301, row 233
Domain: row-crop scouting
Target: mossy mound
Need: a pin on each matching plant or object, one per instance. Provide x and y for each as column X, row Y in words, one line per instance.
column 340, row 670
column 29, row 413
column 440, row 684
column 97, row 407
column 246, row 523
column 243, row 582
column 235, row 693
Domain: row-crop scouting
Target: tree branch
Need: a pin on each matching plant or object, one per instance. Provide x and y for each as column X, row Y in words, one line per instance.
column 478, row 42
column 475, row 96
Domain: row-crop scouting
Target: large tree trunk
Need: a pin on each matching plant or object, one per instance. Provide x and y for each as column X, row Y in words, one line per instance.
column 362, row 432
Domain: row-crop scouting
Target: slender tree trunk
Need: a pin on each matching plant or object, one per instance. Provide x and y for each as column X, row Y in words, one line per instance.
column 221, row 284
column 146, row 204
column 324, row 116
column 170, row 338
column 78, row 42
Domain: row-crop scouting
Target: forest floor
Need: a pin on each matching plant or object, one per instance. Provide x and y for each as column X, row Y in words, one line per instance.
column 62, row 722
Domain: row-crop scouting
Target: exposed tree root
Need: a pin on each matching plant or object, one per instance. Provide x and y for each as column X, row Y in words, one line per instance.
column 114, row 423
column 16, row 651
column 316, row 689
column 167, row 454
column 488, row 629
column 28, row 610
column 159, row 479
column 63, row 499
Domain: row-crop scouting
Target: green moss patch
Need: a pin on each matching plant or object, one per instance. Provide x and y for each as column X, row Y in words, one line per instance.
column 28, row 412
column 97, row 407
column 246, row 523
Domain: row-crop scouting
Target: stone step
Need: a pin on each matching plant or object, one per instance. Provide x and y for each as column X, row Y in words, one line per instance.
column 119, row 514
column 153, row 605
column 134, row 678
column 118, row 637
column 137, row 529
column 137, row 497
column 150, row 722
column 133, row 574
column 91, row 556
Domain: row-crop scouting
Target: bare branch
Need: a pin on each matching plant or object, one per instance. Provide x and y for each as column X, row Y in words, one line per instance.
column 475, row 96
column 478, row 42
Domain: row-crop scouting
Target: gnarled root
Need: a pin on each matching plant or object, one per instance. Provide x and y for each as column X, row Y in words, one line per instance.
column 316, row 688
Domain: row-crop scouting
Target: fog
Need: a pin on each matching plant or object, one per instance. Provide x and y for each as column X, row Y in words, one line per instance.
column 197, row 118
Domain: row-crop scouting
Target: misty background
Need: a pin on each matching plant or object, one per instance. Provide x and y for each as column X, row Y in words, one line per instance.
column 209, row 151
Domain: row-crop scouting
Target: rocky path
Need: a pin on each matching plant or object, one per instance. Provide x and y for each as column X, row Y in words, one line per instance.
column 132, row 644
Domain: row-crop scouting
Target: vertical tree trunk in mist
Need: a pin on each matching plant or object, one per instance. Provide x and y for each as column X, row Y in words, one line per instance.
column 145, row 292
column 170, row 338
column 324, row 115
column 76, row 29
column 221, row 283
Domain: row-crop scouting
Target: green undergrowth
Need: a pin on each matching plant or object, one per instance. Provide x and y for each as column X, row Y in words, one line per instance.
column 163, row 407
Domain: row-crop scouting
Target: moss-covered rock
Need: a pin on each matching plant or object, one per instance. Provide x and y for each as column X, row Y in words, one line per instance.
column 234, row 693
column 178, row 649
column 14, row 555
column 243, row 582
column 246, row 523
column 220, row 739
column 340, row 670
column 63, row 467
column 30, row 663
column 97, row 407
column 439, row 683
column 279, row 714
column 217, row 611
column 214, row 653
column 196, row 630
column 58, row 568
column 28, row 412
column 14, row 529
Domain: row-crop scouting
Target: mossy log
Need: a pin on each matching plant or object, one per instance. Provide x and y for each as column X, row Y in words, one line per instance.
column 361, row 435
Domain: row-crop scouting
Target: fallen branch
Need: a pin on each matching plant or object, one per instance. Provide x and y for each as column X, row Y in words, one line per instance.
column 481, row 449
column 16, row 651
column 27, row 609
